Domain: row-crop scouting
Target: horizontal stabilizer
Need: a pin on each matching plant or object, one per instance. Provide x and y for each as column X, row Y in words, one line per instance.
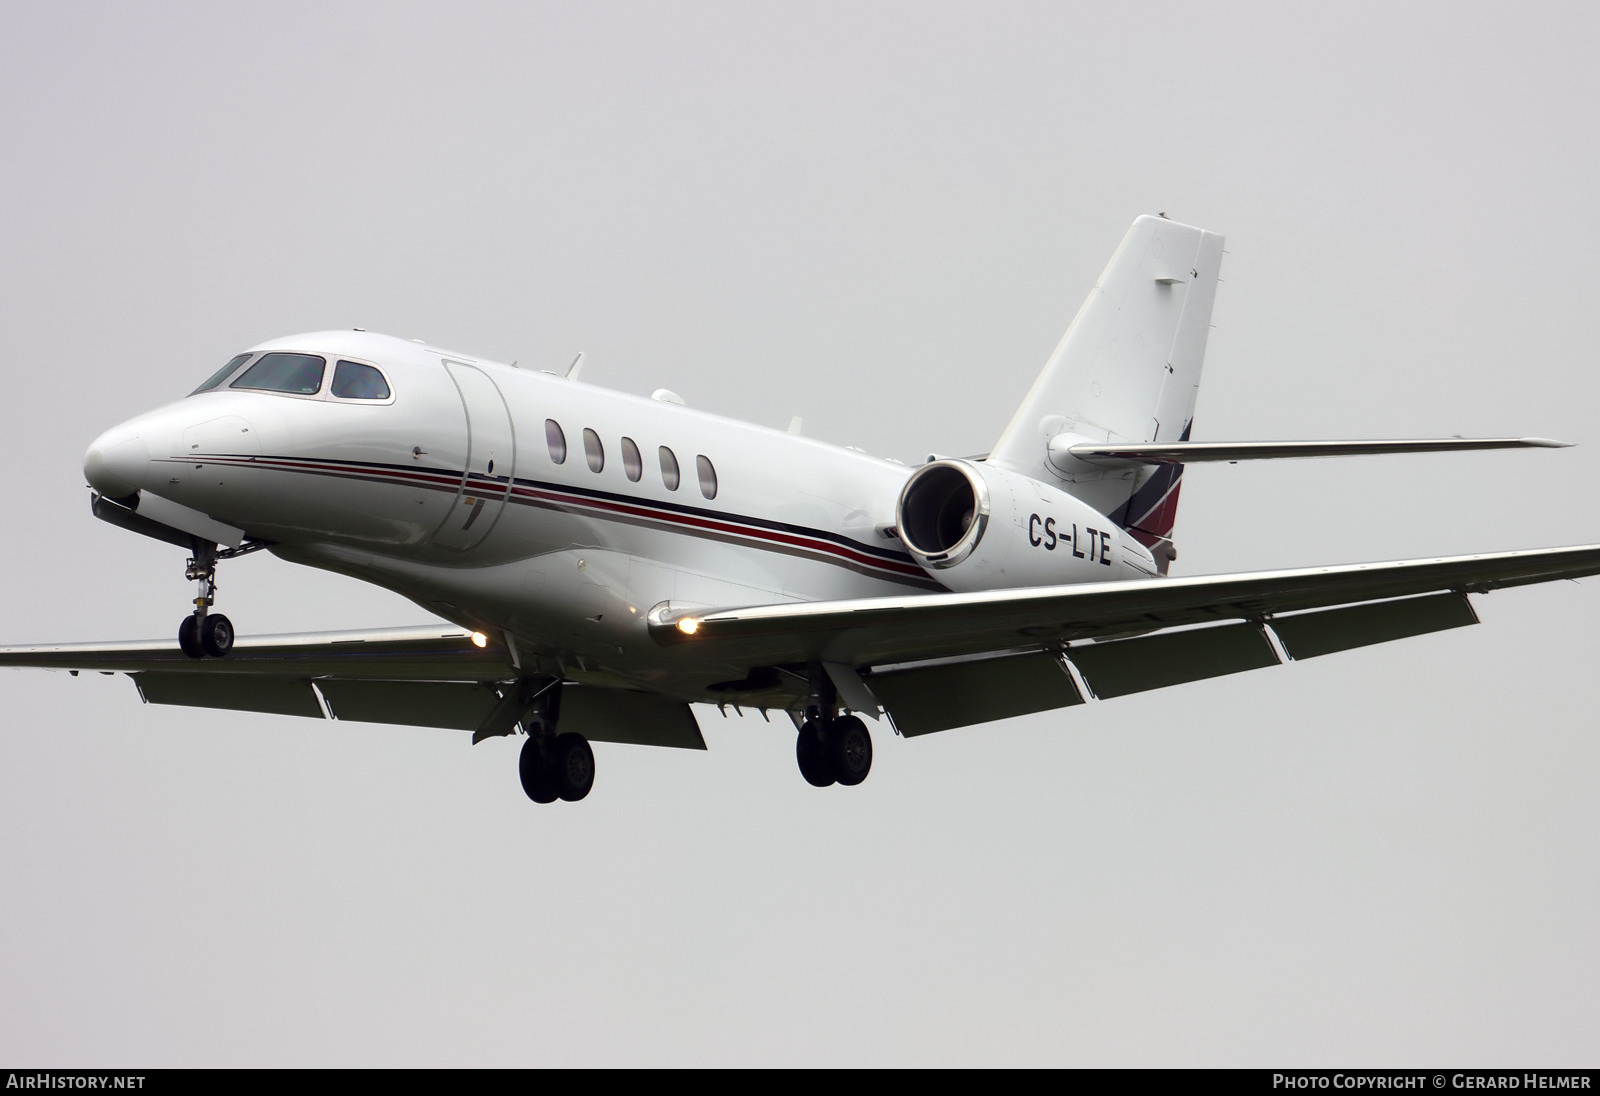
column 1189, row 452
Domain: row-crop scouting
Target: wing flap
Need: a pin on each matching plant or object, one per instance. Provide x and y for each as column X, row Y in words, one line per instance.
column 1123, row 666
column 638, row 719
column 600, row 715
column 1307, row 635
column 453, row 705
column 958, row 693
column 414, row 677
column 925, row 699
column 235, row 692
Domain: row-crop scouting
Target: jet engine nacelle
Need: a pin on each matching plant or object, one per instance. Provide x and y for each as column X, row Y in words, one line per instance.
column 975, row 526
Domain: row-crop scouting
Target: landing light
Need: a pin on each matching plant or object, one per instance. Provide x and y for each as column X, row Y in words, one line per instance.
column 479, row 639
column 688, row 626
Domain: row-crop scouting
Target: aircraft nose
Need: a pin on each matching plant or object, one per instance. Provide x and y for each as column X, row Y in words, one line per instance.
column 116, row 462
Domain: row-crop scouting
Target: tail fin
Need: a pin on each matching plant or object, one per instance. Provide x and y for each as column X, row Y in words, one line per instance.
column 1127, row 370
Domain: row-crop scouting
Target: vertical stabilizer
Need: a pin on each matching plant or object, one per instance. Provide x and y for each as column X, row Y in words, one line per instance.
column 1127, row 370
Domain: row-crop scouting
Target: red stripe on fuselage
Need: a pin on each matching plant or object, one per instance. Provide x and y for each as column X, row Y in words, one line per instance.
column 439, row 480
column 754, row 532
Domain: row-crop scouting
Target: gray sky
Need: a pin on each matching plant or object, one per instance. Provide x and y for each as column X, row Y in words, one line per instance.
column 880, row 217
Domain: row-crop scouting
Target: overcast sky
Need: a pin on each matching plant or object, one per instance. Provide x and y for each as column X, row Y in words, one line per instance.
column 879, row 217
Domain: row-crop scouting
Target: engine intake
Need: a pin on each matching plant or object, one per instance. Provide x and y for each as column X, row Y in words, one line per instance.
column 944, row 510
column 980, row 527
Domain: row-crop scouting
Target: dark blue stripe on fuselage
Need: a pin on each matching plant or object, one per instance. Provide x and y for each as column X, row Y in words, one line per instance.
column 481, row 482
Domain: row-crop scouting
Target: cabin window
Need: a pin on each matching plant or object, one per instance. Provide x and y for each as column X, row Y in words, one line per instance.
column 222, row 374
column 556, row 440
column 669, row 469
column 296, row 374
column 354, row 381
column 632, row 462
column 593, row 450
column 708, row 476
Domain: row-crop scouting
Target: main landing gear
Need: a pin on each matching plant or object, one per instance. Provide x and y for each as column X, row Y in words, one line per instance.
column 203, row 632
column 831, row 749
column 553, row 766
column 834, row 751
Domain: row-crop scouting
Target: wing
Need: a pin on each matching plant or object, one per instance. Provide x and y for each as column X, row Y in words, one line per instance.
column 400, row 654
column 420, row 677
column 892, row 646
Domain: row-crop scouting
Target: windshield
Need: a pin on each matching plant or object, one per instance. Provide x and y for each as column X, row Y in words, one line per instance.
column 222, row 374
column 298, row 374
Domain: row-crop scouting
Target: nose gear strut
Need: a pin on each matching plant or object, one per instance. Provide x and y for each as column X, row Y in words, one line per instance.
column 204, row 632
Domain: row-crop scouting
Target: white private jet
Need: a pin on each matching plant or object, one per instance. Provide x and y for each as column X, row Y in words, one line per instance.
column 610, row 559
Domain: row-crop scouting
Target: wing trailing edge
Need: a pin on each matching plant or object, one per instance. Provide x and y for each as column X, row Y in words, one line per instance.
column 949, row 693
column 416, row 677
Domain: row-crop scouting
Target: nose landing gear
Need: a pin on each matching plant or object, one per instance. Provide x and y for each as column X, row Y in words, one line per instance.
column 211, row 634
column 204, row 633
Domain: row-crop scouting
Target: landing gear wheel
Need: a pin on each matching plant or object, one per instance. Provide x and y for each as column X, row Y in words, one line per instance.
column 571, row 771
column 810, row 752
column 216, row 635
column 849, row 751
column 189, row 637
column 532, row 769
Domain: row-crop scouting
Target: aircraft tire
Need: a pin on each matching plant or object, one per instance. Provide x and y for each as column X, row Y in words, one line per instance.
column 189, row 637
column 849, row 751
column 534, row 773
column 216, row 635
column 572, row 767
column 810, row 752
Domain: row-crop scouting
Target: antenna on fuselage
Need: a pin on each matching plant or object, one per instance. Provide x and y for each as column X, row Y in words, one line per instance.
column 576, row 367
column 794, row 425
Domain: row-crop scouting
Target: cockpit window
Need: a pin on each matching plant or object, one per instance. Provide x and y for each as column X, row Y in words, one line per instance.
column 354, row 381
column 222, row 374
column 297, row 374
